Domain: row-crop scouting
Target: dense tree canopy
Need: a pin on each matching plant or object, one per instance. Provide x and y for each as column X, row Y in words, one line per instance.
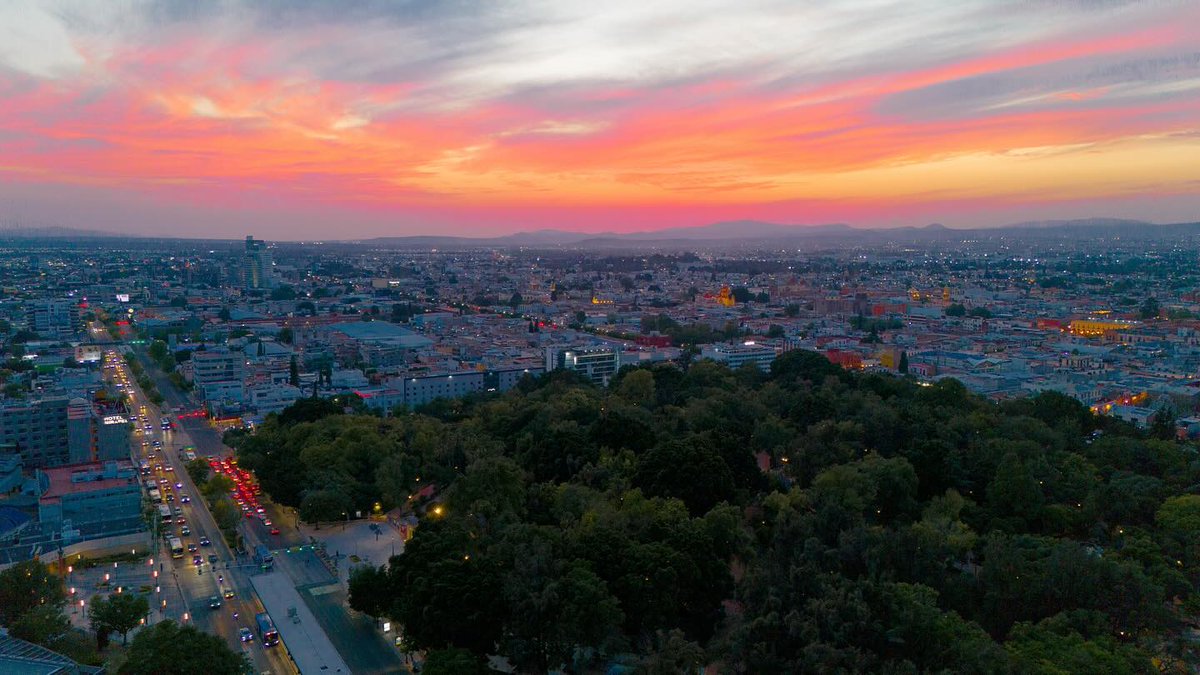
column 168, row 648
column 809, row 520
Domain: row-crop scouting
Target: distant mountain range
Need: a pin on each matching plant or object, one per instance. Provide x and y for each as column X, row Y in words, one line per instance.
column 51, row 232
column 732, row 234
column 758, row 233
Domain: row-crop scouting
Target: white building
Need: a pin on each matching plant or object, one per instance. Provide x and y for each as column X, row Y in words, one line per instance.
column 735, row 356
column 598, row 364
column 273, row 398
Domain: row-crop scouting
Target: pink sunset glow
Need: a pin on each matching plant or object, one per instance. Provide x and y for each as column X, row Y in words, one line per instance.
column 418, row 118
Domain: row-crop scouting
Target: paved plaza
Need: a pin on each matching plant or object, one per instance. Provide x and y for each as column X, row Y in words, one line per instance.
column 84, row 584
column 369, row 541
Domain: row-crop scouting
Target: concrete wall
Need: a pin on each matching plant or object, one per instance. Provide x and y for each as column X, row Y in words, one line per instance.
column 98, row 548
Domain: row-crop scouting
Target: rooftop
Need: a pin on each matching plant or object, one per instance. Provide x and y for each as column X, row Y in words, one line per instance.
column 382, row 332
column 82, row 478
column 18, row 657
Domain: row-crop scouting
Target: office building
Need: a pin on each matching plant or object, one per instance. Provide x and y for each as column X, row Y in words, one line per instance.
column 736, row 356
column 53, row 318
column 422, row 389
column 90, row 501
column 217, row 365
column 93, row 436
column 598, row 364
column 36, row 429
column 52, row 431
column 258, row 269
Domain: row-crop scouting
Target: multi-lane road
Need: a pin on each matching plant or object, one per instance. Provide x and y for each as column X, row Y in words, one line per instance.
column 354, row 636
column 219, row 567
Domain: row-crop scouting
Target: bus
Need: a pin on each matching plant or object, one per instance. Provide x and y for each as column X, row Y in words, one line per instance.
column 266, row 629
column 263, row 557
column 155, row 496
column 144, row 467
column 176, row 547
column 164, row 514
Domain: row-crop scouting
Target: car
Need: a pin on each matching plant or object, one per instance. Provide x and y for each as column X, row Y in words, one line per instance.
column 214, row 602
column 162, row 481
column 191, row 547
column 212, row 558
column 185, row 531
column 197, row 560
column 267, row 522
column 245, row 635
column 184, row 498
column 181, row 521
column 170, row 469
column 227, row 592
column 274, row 530
column 170, row 498
column 205, row 542
column 176, row 511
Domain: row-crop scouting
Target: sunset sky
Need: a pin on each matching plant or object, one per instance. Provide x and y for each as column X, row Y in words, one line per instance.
column 303, row 120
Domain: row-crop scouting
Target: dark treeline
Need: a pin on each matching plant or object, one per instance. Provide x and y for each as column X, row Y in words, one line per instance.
column 898, row 528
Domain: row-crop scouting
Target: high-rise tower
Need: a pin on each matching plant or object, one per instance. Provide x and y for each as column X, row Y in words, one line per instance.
column 257, row 270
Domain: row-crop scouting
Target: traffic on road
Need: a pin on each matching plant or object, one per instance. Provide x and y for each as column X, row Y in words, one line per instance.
column 211, row 580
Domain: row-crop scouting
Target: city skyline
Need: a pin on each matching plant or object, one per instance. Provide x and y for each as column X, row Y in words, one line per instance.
column 296, row 121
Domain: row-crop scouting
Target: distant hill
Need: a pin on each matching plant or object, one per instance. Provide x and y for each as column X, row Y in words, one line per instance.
column 53, row 232
column 729, row 234
column 758, row 233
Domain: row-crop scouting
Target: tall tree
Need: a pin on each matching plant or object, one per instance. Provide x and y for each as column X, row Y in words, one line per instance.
column 166, row 647
column 25, row 586
column 41, row 625
column 119, row 613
